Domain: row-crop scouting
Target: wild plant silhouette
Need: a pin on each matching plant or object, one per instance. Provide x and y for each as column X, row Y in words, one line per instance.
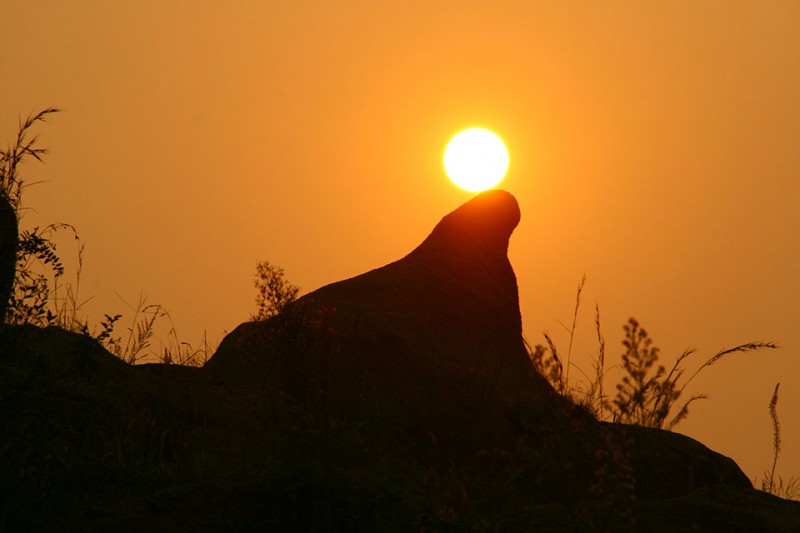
column 273, row 291
column 32, row 286
column 27, row 299
column 789, row 489
column 647, row 394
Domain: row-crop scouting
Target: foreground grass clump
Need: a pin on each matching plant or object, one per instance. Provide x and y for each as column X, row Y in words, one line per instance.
column 648, row 394
column 37, row 293
column 27, row 294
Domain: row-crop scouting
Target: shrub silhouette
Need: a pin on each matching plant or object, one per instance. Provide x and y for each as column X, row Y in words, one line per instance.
column 274, row 291
column 639, row 395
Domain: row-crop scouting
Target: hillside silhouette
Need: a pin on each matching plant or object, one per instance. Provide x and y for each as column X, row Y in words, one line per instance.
column 401, row 399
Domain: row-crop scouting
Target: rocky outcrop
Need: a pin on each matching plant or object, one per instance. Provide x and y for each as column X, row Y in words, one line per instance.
column 433, row 339
column 433, row 342
column 401, row 399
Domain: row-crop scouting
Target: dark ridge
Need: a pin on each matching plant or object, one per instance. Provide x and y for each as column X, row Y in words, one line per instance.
column 402, row 399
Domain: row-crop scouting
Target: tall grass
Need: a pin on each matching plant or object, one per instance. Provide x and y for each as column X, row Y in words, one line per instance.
column 571, row 330
column 648, row 394
column 789, row 489
column 37, row 265
column 25, row 145
column 40, row 295
column 150, row 337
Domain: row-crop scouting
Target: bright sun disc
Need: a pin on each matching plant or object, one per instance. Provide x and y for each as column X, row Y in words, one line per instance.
column 476, row 159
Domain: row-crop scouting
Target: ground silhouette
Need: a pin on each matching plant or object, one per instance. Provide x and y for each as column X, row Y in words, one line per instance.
column 402, row 399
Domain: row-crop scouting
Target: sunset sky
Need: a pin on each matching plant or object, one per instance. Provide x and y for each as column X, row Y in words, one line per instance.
column 654, row 146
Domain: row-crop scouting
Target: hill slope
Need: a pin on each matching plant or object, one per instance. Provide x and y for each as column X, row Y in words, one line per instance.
column 401, row 399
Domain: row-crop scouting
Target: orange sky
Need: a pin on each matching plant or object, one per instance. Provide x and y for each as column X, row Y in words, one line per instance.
column 654, row 146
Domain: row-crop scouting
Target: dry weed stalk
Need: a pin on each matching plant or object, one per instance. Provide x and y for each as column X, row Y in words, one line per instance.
column 790, row 489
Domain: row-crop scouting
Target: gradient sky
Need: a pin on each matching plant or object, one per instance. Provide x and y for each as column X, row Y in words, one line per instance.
column 655, row 147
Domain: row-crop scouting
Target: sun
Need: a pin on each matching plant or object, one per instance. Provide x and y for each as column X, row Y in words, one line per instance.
column 476, row 159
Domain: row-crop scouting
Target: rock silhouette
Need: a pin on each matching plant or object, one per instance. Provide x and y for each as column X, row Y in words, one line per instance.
column 8, row 253
column 401, row 399
column 435, row 337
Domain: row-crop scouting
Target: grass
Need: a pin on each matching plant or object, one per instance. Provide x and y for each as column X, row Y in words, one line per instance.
column 25, row 145
column 40, row 296
column 648, row 394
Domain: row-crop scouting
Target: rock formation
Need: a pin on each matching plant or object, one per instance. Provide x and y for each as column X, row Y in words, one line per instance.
column 434, row 343
column 434, row 338
column 401, row 399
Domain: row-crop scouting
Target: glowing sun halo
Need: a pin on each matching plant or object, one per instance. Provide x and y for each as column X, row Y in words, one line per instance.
column 476, row 159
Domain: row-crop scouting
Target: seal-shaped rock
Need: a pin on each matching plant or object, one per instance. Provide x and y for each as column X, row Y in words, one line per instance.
column 436, row 335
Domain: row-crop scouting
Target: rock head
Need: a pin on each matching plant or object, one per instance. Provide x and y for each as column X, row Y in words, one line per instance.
column 481, row 227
